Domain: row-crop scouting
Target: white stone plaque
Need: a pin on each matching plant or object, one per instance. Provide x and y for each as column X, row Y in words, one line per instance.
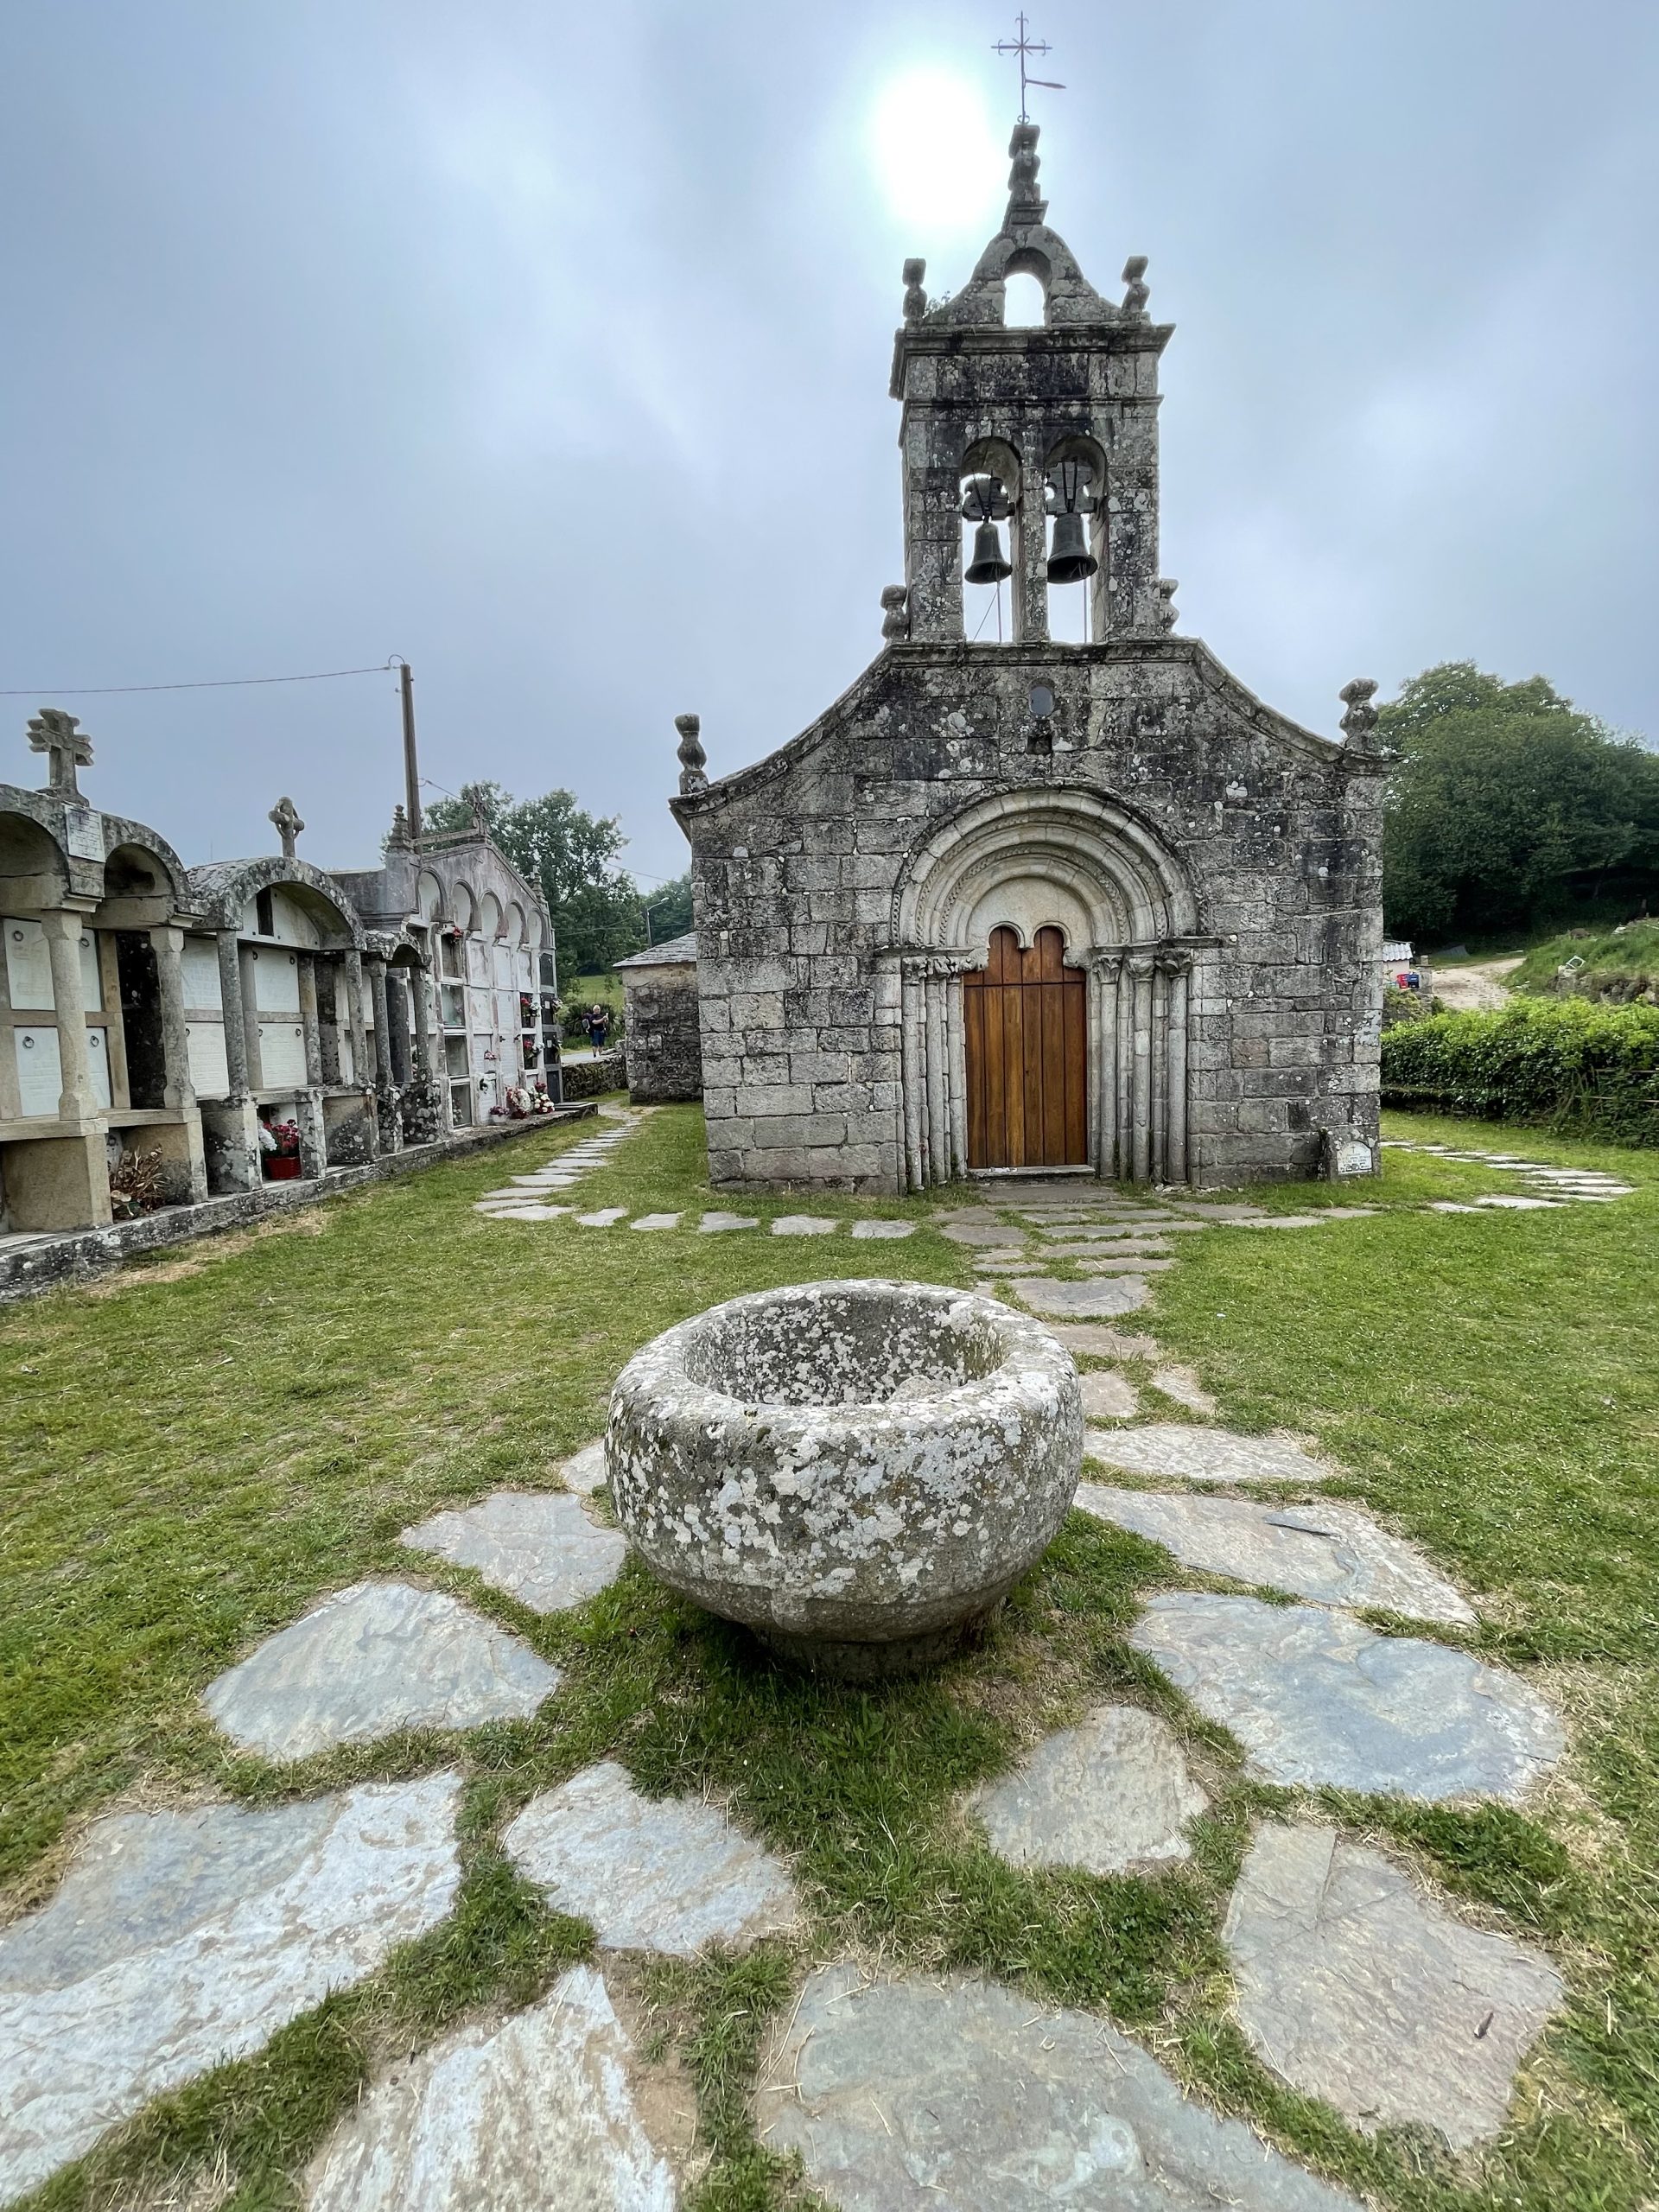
column 40, row 1072
column 210, row 1074
column 83, row 832
column 275, row 980
column 200, row 963
column 282, row 1055
column 28, row 966
column 98, row 1060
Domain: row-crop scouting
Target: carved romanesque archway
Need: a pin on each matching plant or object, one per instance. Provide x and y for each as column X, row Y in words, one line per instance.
column 1044, row 860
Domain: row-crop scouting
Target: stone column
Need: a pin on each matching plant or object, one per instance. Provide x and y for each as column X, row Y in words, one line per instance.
column 325, row 985
column 1028, row 585
column 1177, row 963
column 396, row 989
column 426, row 1041
column 308, row 1020
column 63, row 929
column 939, row 1111
column 351, row 962
column 1160, row 1070
column 1138, row 969
column 957, row 1054
column 375, row 966
column 230, row 1001
column 1104, row 1101
column 189, row 1171
column 912, row 1043
column 250, row 969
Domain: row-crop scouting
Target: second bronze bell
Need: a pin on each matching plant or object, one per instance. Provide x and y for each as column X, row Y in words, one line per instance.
column 989, row 565
column 1071, row 561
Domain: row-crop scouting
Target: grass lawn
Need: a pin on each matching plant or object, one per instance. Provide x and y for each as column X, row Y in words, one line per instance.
column 198, row 1447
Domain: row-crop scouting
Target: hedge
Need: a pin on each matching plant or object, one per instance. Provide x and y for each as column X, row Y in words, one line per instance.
column 1566, row 1062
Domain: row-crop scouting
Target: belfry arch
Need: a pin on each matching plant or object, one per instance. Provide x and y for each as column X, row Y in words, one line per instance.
column 1037, row 862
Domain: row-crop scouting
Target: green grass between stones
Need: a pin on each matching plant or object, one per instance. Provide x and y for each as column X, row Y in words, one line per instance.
column 197, row 1450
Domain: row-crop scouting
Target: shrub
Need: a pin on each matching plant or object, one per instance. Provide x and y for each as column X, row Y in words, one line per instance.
column 1564, row 1061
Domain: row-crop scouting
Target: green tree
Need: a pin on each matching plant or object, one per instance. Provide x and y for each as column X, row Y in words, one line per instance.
column 572, row 856
column 669, row 906
column 1509, row 808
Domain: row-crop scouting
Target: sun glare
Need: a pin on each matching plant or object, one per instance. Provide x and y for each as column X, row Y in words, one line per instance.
column 939, row 156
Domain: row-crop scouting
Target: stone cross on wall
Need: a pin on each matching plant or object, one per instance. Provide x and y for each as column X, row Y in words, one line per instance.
column 285, row 817
column 60, row 736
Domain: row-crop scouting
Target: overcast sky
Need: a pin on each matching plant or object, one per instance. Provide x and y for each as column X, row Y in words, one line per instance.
column 548, row 346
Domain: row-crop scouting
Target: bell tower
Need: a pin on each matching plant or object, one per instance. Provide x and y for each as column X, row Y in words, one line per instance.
column 1046, row 436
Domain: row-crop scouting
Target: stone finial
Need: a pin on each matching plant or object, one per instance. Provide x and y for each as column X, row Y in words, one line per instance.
column 481, row 820
column 895, row 617
column 397, row 837
column 60, row 736
column 284, row 816
column 915, row 297
column 1025, row 204
column 1137, row 292
column 1359, row 723
column 1169, row 613
column 693, row 759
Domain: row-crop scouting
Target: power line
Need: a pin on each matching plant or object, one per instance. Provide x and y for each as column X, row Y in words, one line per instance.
column 213, row 683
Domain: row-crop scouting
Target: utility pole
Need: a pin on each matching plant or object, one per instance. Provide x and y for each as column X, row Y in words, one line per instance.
column 412, row 766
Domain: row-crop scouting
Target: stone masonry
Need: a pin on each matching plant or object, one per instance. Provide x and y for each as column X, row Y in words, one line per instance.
column 662, row 1031
column 1213, row 869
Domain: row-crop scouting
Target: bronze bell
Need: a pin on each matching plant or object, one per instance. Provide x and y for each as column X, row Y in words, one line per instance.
column 988, row 565
column 1070, row 560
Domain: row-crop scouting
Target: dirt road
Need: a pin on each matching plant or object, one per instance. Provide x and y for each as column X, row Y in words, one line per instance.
column 1476, row 988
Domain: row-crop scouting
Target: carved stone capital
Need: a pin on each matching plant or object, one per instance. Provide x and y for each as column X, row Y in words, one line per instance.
column 1173, row 959
column 1139, row 965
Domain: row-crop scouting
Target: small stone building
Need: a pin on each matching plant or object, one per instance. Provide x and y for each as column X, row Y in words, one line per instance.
column 1047, row 888
column 662, row 1033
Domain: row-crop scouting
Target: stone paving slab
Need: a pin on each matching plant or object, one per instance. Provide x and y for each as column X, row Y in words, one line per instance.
column 1111, row 1794
column 1213, row 1210
column 982, row 1232
column 370, row 1661
column 1334, row 1554
column 1206, row 1455
column 877, row 1231
column 1184, row 1386
column 654, row 1220
column 535, row 2113
column 1356, row 1987
column 538, row 1546
column 1111, row 1252
column 1282, row 1221
column 179, row 1940
column 585, row 1470
column 1138, row 1266
column 717, row 1223
column 603, row 1218
column 1515, row 1202
column 1109, row 1396
column 1090, row 1340
column 653, row 1874
column 1315, row 1697
column 1083, row 1301
column 522, row 1213
column 968, row 2097
column 803, row 1224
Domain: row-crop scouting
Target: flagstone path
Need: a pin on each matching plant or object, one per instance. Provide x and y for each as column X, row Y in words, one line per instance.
column 370, row 1661
column 901, row 2094
column 535, row 2110
column 653, row 1874
column 178, row 1938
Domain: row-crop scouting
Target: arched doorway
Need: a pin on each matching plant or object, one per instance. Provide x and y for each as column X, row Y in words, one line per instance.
column 1025, row 1023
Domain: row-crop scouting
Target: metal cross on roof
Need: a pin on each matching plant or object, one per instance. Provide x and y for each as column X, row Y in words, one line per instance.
column 285, row 818
column 53, row 732
column 1024, row 45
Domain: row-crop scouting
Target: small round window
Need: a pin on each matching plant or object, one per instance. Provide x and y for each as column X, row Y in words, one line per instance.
column 1042, row 701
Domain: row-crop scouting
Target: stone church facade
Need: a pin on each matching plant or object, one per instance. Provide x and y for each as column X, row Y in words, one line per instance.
column 1038, row 905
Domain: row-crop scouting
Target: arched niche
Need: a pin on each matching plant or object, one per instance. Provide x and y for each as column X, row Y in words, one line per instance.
column 1075, row 481
column 513, row 924
column 461, row 906
column 986, row 611
column 428, row 896
column 33, row 873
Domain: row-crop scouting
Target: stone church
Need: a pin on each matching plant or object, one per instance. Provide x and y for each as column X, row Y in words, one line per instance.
column 1015, row 904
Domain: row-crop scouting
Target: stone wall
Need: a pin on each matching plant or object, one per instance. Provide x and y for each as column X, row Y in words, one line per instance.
column 1260, row 841
column 663, row 1040
column 593, row 1078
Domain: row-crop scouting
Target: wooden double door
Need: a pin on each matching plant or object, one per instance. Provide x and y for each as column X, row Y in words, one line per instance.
column 1025, row 1024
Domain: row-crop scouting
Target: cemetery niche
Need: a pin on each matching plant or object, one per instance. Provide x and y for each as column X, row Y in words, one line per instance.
column 856, row 1470
column 171, row 1037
